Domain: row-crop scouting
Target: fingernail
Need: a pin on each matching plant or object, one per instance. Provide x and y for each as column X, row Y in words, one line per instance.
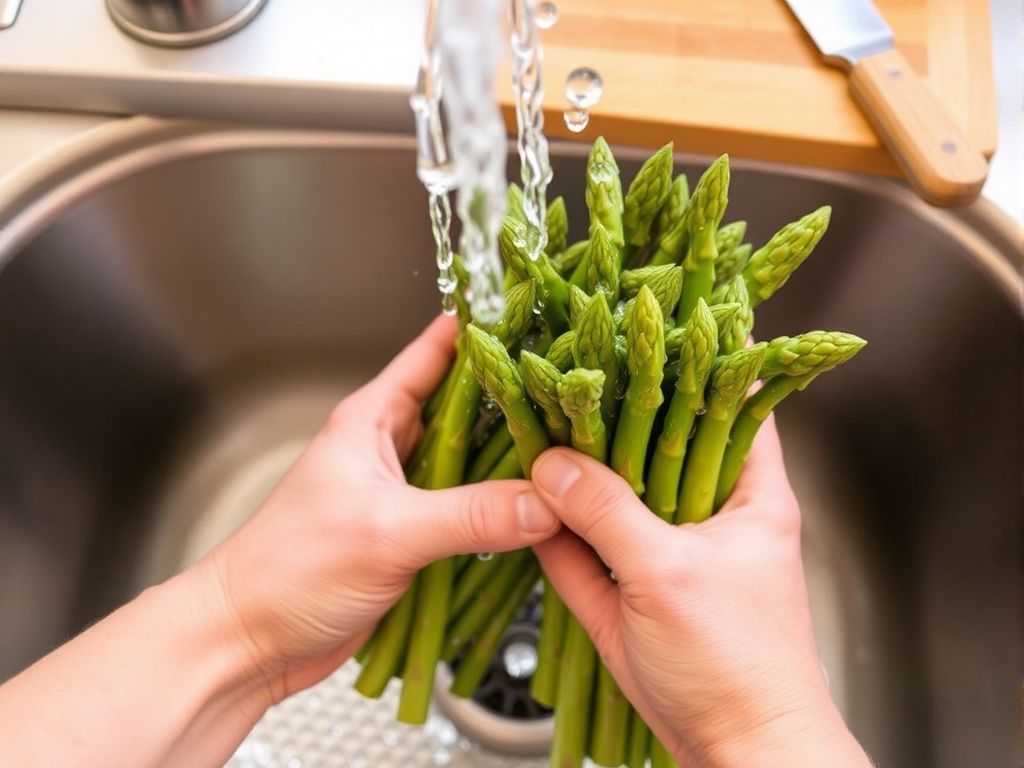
column 533, row 514
column 556, row 473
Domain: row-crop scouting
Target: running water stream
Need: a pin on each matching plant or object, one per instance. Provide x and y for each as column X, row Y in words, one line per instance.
column 462, row 46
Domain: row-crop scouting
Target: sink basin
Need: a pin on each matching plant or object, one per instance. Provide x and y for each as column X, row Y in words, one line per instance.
column 181, row 305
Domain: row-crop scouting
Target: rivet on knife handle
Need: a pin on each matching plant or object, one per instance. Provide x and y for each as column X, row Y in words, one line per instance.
column 938, row 160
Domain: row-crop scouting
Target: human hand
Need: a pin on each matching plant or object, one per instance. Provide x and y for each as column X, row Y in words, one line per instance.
column 340, row 538
column 706, row 627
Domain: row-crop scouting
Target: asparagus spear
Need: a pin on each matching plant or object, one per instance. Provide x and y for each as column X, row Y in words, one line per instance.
column 501, row 380
column 565, row 263
column 579, row 393
column 645, row 345
column 474, row 666
column 639, row 742
column 730, row 379
column 676, row 337
column 609, row 738
column 772, row 264
column 472, row 578
column 793, row 363
column 731, row 263
column 696, row 357
column 560, row 353
column 595, row 348
column 604, row 191
column 541, row 380
column 489, row 455
column 578, row 299
column 660, row 756
column 707, row 206
column 553, row 618
column 729, row 236
column 666, row 282
column 557, row 225
column 733, row 335
column 512, row 242
column 389, row 640
column 647, row 193
column 603, row 266
column 670, row 243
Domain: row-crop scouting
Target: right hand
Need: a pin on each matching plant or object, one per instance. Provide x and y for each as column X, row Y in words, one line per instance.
column 706, row 627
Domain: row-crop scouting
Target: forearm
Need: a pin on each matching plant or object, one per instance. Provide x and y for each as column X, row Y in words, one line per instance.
column 166, row 680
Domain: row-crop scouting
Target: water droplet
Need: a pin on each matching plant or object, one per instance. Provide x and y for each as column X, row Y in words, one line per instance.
column 576, row 119
column 447, row 284
column 448, row 306
column 583, row 87
column 612, row 576
column 485, row 556
column 520, row 659
column 546, row 15
column 702, row 410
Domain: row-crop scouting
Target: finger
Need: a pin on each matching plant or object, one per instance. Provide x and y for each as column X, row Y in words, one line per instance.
column 599, row 506
column 419, row 368
column 495, row 516
column 581, row 580
column 763, row 478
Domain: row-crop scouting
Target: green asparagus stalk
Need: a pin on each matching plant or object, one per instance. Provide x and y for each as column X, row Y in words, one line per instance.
column 729, row 236
column 772, row 264
column 604, row 265
column 492, row 595
column 639, row 742
column 696, row 357
column 501, row 380
column 557, row 222
column 473, row 578
column 579, row 393
column 670, row 244
column 554, row 614
column 731, row 263
column 565, row 263
column 675, row 337
column 730, row 379
column 574, row 700
column 389, row 642
column 595, row 349
column 733, row 335
column 508, row 467
column 647, row 194
column 707, row 206
column 793, row 363
column 666, row 282
column 660, row 756
column 604, row 192
column 474, row 666
column 645, row 345
column 541, row 380
column 487, row 458
column 560, row 353
column 578, row 299
column 513, row 244
column 609, row 738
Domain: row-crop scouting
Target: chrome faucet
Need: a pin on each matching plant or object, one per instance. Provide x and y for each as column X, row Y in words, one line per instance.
column 182, row 23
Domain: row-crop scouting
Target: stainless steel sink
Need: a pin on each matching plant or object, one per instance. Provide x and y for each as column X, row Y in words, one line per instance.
column 181, row 304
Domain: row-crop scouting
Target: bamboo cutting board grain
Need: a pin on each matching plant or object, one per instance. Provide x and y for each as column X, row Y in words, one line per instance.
column 741, row 76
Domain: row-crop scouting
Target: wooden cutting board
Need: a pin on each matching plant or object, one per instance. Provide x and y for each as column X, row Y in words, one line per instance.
column 741, row 76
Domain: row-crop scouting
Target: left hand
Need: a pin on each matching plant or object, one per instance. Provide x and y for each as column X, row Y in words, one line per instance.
column 340, row 538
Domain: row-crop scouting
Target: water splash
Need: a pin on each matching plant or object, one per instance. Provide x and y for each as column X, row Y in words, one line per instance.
column 528, row 90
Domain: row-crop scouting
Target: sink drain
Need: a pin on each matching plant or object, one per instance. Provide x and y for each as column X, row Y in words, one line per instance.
column 502, row 715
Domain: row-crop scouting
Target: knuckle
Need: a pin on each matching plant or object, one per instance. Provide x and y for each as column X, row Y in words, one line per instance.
column 477, row 516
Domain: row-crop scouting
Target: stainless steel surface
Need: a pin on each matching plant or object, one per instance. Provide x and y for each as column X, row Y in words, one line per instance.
column 8, row 12
column 182, row 23
column 337, row 63
column 845, row 31
column 180, row 305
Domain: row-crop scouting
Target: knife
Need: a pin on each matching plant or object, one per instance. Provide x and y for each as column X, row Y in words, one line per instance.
column 935, row 155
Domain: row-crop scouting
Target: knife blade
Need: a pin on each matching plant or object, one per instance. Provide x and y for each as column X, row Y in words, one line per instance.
column 932, row 150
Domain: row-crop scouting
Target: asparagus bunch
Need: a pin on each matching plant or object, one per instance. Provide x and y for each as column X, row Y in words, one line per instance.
column 631, row 345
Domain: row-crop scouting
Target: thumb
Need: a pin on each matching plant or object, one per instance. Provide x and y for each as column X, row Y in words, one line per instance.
column 494, row 516
column 600, row 507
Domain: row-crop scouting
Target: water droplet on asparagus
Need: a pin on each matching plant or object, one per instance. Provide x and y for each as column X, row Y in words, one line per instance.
column 547, row 15
column 583, row 87
column 485, row 556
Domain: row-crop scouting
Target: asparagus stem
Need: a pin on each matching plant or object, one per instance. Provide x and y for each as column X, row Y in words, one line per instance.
column 474, row 666
column 645, row 343
column 705, row 212
column 604, row 191
column 730, row 380
column 509, row 466
column 639, row 742
column 472, row 579
column 660, row 756
column 575, row 697
column 541, row 380
column 611, row 721
column 544, row 683
column 514, row 245
column 476, row 613
column 670, row 242
column 490, row 454
column 391, row 637
column 604, row 265
column 424, row 650
column 568, row 260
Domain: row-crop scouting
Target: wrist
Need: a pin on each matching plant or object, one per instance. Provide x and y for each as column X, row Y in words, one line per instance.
column 811, row 736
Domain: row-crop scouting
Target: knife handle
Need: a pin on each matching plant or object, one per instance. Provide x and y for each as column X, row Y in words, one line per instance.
column 936, row 157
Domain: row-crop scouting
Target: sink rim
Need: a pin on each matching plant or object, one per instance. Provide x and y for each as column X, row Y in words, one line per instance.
column 48, row 187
